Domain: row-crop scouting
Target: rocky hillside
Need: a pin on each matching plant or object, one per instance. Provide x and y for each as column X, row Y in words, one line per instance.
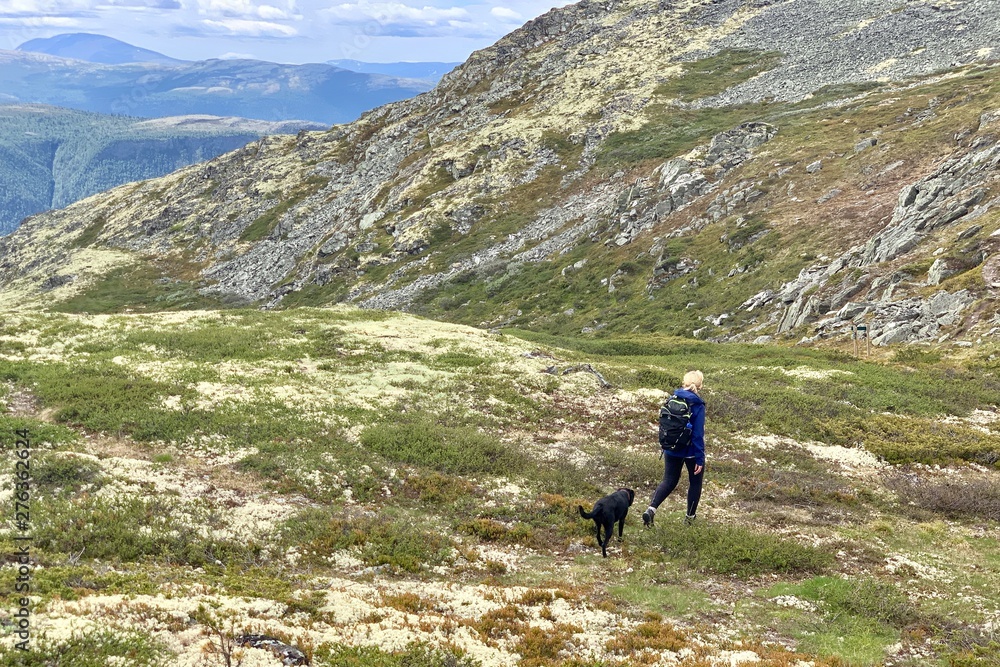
column 729, row 170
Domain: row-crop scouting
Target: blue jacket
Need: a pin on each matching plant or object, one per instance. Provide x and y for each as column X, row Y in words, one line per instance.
column 695, row 450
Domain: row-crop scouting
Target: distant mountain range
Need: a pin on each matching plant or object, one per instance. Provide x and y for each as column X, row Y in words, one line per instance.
column 95, row 49
column 104, row 75
column 429, row 71
column 51, row 157
column 104, row 50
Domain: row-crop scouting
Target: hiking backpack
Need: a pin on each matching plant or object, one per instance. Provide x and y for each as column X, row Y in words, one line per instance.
column 675, row 424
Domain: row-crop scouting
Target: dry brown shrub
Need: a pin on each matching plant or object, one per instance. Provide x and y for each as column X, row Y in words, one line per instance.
column 653, row 635
column 970, row 498
column 540, row 647
column 500, row 623
column 536, row 596
column 407, row 602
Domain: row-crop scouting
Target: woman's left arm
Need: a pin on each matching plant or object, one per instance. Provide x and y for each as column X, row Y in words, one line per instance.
column 698, row 434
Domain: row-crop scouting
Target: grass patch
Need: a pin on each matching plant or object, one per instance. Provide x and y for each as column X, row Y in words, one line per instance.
column 89, row 235
column 860, row 618
column 143, row 287
column 710, row 76
column 671, row 132
column 420, row 440
column 238, row 335
column 739, row 551
column 653, row 591
column 395, row 542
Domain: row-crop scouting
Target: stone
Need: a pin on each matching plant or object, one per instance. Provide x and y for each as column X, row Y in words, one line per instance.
column 369, row 219
column 852, row 310
column 828, row 196
column 286, row 653
column 970, row 232
column 939, row 270
column 865, row 144
column 52, row 282
column 814, row 167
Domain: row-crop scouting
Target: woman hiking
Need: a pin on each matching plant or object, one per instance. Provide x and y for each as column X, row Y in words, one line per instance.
column 691, row 455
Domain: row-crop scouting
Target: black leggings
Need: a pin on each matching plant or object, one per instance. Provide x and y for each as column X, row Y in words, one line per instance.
column 671, row 475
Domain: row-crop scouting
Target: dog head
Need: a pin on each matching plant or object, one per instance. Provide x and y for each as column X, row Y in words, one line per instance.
column 630, row 493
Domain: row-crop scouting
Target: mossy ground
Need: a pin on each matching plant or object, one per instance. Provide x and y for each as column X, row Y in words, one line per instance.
column 379, row 489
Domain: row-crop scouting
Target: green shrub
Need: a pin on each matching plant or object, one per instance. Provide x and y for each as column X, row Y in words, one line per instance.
column 66, row 472
column 652, row 634
column 901, row 439
column 129, row 529
column 739, row 551
column 414, row 655
column 418, row 440
column 435, row 488
column 242, row 335
column 450, row 360
column 91, row 648
column 396, row 542
column 865, row 597
column 490, row 530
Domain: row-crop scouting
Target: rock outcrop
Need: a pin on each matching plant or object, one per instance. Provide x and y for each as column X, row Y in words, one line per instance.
column 607, row 132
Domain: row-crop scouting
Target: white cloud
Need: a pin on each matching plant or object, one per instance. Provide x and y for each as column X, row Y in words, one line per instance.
column 44, row 8
column 249, row 28
column 138, row 4
column 40, row 21
column 397, row 18
column 269, row 13
column 247, row 9
column 506, row 14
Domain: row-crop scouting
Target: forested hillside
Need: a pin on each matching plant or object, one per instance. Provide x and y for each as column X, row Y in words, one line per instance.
column 52, row 157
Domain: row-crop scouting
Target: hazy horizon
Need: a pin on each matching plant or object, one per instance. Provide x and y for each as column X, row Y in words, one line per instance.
column 283, row 31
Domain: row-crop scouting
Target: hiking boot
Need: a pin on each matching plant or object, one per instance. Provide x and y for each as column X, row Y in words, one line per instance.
column 647, row 517
column 689, row 520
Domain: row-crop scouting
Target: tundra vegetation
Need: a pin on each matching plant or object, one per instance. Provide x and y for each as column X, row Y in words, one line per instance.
column 380, row 490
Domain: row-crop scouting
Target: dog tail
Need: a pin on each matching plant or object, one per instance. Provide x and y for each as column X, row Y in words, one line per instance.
column 585, row 515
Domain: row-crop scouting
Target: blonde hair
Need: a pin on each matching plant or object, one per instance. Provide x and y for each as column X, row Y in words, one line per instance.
column 693, row 381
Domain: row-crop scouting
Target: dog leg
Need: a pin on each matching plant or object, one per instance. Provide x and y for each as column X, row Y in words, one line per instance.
column 609, row 530
column 621, row 526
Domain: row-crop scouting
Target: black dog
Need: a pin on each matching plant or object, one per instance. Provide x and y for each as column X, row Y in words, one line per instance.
column 607, row 510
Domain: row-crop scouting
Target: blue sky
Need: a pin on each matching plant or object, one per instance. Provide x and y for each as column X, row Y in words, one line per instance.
column 291, row 31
